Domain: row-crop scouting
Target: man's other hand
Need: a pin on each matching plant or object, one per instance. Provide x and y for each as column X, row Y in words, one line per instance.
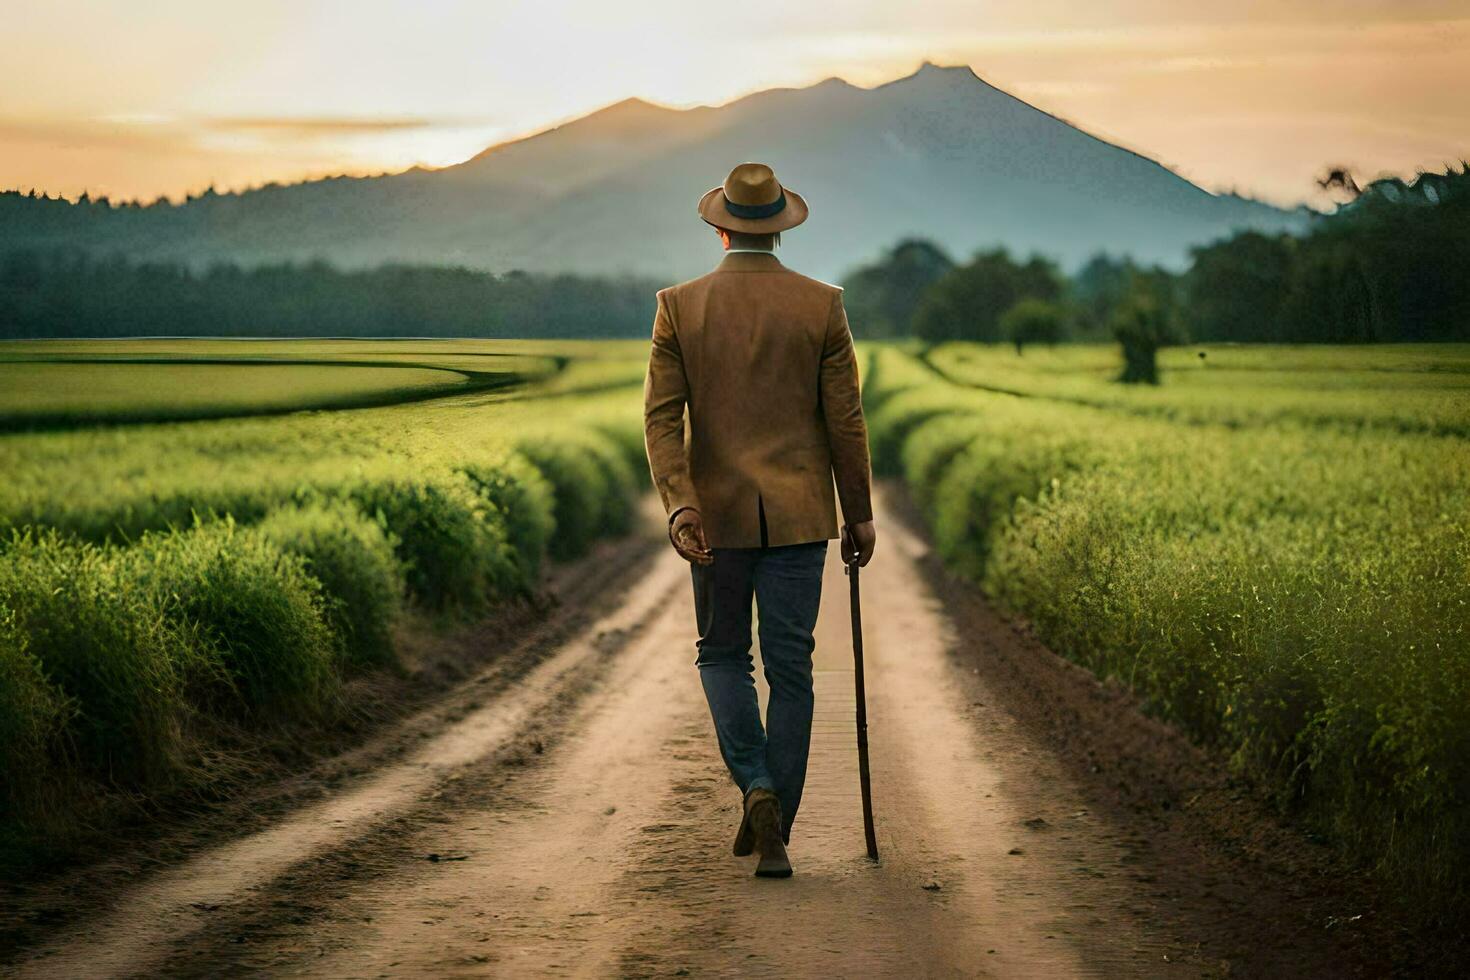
column 858, row 539
column 687, row 533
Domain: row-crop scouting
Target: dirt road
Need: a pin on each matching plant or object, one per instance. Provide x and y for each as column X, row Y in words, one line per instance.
column 577, row 823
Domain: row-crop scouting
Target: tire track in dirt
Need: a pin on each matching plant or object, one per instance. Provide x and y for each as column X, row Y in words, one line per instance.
column 172, row 905
column 583, row 823
column 946, row 898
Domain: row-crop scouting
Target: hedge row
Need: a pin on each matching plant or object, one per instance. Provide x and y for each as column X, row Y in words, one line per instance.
column 118, row 660
column 1293, row 595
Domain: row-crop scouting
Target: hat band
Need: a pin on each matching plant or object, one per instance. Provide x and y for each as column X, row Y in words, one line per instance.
column 757, row 210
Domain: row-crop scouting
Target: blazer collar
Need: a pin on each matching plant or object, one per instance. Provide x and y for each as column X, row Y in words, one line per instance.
column 749, row 262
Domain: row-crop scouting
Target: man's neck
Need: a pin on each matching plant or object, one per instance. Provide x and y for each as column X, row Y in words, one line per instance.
column 749, row 260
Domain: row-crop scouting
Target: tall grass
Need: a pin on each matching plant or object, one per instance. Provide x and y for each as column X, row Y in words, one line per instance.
column 108, row 647
column 524, row 498
column 1412, row 388
column 454, row 547
column 164, row 586
column 354, row 559
column 250, row 607
column 32, row 724
column 1296, row 594
column 593, row 487
column 114, row 484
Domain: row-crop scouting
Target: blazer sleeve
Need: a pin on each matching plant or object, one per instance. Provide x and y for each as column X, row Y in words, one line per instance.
column 665, row 393
column 842, row 408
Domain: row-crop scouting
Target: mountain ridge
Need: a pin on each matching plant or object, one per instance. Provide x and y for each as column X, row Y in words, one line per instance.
column 940, row 153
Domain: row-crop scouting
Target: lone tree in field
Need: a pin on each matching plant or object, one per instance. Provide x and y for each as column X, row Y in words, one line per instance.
column 1143, row 323
column 1033, row 321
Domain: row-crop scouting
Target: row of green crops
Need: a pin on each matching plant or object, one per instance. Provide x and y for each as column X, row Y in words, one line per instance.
column 60, row 384
column 1404, row 388
column 164, row 587
column 1298, row 595
column 60, row 394
column 114, row 483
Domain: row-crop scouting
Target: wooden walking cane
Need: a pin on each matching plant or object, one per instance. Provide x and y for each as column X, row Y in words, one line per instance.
column 850, row 565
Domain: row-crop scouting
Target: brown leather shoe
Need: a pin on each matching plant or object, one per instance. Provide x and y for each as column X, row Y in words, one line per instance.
column 763, row 820
column 745, row 836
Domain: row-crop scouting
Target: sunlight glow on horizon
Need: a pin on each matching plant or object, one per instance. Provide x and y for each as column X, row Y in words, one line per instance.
column 137, row 105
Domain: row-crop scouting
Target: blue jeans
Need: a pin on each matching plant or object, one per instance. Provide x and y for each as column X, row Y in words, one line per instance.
column 786, row 584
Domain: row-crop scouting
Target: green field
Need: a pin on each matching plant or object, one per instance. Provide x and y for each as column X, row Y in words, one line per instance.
column 165, row 586
column 1272, row 548
column 67, row 383
column 50, row 392
column 1403, row 388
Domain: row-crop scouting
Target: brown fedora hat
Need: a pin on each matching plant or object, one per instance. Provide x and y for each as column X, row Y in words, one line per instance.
column 752, row 200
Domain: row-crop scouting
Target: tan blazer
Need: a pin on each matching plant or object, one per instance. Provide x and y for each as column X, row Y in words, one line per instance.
column 762, row 360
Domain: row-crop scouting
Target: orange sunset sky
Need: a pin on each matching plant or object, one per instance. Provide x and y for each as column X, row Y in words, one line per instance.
column 161, row 97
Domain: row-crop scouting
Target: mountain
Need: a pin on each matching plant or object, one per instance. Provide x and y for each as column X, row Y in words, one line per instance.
column 939, row 154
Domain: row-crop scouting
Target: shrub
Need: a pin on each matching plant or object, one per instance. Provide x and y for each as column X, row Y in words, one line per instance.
column 930, row 448
column 1292, row 594
column 106, row 646
column 889, row 427
column 454, row 548
column 132, row 653
column 253, row 606
column 629, row 442
column 580, row 486
column 1142, row 324
column 525, row 501
column 622, row 484
column 353, row 559
column 1033, row 321
column 33, row 715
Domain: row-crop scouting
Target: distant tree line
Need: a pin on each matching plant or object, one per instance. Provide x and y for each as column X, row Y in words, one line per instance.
column 70, row 293
column 1393, row 265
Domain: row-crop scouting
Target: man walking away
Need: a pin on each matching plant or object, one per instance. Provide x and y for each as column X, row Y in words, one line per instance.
column 761, row 360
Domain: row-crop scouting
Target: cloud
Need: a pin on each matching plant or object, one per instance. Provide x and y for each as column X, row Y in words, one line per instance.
column 292, row 126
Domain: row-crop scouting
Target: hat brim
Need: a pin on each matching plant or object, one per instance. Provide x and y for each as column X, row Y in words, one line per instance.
column 712, row 210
